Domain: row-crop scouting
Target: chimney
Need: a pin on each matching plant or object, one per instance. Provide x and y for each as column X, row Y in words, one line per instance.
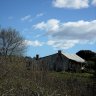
column 59, row 52
column 37, row 56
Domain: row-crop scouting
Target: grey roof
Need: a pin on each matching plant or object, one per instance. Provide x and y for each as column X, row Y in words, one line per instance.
column 74, row 57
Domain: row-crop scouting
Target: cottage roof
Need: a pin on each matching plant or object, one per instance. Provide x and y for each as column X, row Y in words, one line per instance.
column 74, row 57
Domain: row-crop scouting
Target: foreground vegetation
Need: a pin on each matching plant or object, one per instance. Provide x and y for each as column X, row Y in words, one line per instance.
column 69, row 74
column 16, row 80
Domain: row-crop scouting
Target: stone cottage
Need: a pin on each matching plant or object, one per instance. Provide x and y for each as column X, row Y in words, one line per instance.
column 60, row 62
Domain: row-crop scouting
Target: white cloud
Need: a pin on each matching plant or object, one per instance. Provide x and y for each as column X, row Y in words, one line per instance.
column 94, row 2
column 62, row 34
column 40, row 25
column 28, row 17
column 62, row 44
column 52, row 25
column 75, row 4
column 35, row 43
column 40, row 14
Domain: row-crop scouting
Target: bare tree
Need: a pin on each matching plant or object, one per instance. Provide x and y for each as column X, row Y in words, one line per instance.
column 11, row 42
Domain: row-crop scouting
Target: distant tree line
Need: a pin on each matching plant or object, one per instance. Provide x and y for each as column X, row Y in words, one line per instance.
column 86, row 54
column 90, row 57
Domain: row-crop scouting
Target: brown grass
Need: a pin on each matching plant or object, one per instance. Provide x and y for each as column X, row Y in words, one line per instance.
column 16, row 80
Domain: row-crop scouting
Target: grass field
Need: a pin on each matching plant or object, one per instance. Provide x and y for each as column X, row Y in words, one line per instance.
column 16, row 80
column 70, row 74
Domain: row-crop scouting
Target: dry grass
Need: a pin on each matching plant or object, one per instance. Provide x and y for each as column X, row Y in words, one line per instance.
column 16, row 80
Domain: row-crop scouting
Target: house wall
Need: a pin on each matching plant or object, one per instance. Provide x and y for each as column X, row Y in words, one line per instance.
column 65, row 63
column 55, row 62
column 74, row 66
column 50, row 61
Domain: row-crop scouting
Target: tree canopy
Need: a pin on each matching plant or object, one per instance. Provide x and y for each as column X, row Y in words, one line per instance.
column 11, row 42
column 86, row 54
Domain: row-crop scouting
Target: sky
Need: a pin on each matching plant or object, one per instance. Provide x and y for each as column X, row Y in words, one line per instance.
column 52, row 25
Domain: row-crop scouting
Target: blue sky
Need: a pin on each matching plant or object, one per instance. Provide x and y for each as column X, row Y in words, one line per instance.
column 51, row 25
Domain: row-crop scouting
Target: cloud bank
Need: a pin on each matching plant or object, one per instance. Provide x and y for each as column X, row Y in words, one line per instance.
column 65, row 35
column 35, row 43
column 73, row 4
